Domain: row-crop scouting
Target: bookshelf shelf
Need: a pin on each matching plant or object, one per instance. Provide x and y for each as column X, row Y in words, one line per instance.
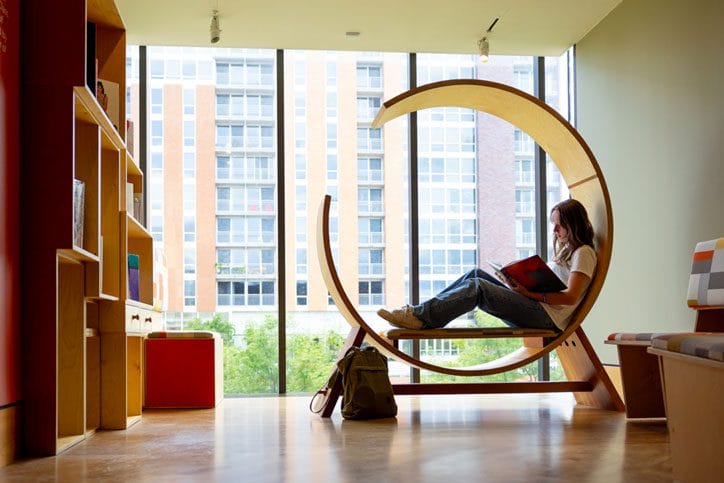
column 78, row 254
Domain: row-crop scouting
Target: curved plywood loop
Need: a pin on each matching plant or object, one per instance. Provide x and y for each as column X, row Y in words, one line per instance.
column 518, row 358
column 561, row 142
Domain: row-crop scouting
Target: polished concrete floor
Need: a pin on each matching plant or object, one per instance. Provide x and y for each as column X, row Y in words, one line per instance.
column 495, row 438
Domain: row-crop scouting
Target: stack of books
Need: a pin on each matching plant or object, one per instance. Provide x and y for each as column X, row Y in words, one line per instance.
column 133, row 278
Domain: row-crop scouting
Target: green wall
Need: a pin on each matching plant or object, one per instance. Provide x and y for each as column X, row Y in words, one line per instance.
column 650, row 93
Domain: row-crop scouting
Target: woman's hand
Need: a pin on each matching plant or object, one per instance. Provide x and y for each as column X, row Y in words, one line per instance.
column 577, row 284
column 518, row 288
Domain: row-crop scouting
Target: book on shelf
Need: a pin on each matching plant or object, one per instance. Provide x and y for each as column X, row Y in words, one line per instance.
column 532, row 273
column 129, row 198
column 108, row 95
column 134, row 286
column 129, row 136
column 138, row 207
column 78, row 212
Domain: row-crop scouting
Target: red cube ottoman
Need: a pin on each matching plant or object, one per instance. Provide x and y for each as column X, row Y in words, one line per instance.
column 184, row 369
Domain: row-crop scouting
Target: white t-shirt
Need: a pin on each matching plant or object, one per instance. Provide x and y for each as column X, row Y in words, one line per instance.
column 583, row 260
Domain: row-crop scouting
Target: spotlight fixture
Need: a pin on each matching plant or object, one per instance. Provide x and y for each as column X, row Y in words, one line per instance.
column 484, row 44
column 214, row 29
column 484, row 49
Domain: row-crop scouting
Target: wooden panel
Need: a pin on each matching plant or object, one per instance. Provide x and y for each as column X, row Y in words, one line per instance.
column 491, row 387
column 110, row 222
column 467, row 333
column 113, row 380
column 93, row 382
column 9, row 434
column 709, row 320
column 71, row 349
column 104, row 12
column 641, row 382
column 93, row 368
column 111, row 54
column 140, row 242
column 580, row 363
column 134, row 377
column 87, row 153
column 694, row 398
column 518, row 358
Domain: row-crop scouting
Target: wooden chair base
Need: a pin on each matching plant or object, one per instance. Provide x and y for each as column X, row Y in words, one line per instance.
column 588, row 380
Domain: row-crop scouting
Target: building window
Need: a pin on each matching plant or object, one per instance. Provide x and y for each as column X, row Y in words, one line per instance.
column 370, row 231
column 156, row 101
column 524, row 202
column 331, row 167
column 369, row 139
column 245, row 293
column 189, row 101
column 245, row 261
column 369, row 170
column 371, row 292
column 189, row 258
column 244, row 168
column 189, row 133
column 244, row 230
column 189, row 293
column 371, row 261
column 522, row 143
column 156, row 133
column 189, row 165
column 367, row 108
column 369, row 77
column 190, row 227
column 331, row 135
column 369, row 201
column 301, row 292
column 301, row 261
column 524, row 172
column 525, row 231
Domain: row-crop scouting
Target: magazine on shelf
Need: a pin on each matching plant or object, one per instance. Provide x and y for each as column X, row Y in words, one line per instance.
column 532, row 273
column 78, row 212
column 133, row 277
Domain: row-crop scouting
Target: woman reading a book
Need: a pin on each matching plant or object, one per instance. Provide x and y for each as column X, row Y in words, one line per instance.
column 574, row 262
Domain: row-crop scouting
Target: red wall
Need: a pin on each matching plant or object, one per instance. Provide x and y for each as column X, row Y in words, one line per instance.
column 9, row 206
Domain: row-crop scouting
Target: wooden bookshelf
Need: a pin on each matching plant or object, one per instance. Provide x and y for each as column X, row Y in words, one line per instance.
column 83, row 368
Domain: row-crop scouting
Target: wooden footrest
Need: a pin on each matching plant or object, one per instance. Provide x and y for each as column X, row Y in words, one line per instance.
column 467, row 333
column 491, row 387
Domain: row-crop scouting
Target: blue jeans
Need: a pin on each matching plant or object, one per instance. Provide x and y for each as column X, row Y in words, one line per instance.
column 478, row 288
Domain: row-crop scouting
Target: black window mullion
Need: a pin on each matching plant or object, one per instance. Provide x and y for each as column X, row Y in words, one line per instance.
column 413, row 238
column 541, row 190
column 281, row 223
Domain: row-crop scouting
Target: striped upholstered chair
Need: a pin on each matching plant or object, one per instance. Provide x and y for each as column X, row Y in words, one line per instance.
column 640, row 374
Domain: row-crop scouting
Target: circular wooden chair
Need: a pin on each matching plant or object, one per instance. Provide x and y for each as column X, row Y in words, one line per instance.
column 578, row 166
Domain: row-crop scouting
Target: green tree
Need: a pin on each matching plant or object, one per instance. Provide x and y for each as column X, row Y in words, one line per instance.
column 217, row 324
column 310, row 360
column 256, row 367
column 473, row 352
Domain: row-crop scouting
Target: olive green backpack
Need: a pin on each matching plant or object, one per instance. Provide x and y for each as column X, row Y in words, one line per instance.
column 366, row 389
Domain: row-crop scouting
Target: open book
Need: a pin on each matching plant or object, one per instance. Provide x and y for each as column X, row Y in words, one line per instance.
column 531, row 272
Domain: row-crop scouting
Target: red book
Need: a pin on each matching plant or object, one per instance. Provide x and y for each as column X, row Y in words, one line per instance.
column 532, row 273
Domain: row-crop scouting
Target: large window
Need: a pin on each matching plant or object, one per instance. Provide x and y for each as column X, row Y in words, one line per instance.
column 213, row 202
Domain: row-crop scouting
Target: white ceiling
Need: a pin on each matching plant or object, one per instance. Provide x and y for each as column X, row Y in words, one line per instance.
column 526, row 27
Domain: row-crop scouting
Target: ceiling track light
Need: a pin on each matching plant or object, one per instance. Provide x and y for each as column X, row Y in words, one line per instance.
column 484, row 49
column 215, row 30
column 484, row 43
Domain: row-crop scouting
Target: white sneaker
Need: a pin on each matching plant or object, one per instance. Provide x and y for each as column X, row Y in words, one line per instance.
column 402, row 318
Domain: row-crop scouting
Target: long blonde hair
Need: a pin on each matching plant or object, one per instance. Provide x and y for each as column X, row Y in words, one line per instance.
column 574, row 218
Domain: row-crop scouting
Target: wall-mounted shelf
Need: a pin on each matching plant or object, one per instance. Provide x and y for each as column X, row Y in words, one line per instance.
column 76, row 245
